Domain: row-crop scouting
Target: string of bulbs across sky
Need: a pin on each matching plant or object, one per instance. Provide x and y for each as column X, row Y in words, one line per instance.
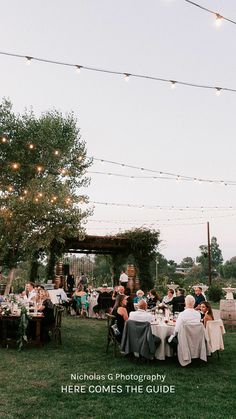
column 127, row 75
column 218, row 17
column 161, row 175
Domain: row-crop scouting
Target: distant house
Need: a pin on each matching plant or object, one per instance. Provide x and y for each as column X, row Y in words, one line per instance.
column 182, row 271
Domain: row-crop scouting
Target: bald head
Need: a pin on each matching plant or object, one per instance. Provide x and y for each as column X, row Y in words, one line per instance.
column 142, row 305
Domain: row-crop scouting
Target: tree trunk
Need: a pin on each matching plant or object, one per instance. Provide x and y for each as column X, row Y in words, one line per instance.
column 34, row 268
column 10, row 279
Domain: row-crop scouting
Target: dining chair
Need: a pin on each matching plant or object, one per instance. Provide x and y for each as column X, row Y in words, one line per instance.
column 214, row 335
column 111, row 339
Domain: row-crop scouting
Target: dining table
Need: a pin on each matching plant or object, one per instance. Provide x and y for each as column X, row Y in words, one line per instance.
column 163, row 330
column 9, row 325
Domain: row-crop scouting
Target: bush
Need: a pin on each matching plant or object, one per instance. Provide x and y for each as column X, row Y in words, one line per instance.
column 214, row 293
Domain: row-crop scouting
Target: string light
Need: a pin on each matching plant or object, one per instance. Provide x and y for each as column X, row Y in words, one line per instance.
column 219, row 19
column 127, row 75
column 217, row 15
column 39, row 169
column 165, row 207
column 161, row 174
column 28, row 60
column 218, row 91
column 31, row 146
column 173, row 84
column 15, row 166
column 4, row 139
column 78, row 68
column 56, row 152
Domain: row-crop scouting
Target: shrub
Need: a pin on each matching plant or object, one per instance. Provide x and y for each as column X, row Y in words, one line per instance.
column 214, row 293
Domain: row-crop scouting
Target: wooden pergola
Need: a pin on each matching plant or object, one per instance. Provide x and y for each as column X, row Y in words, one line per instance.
column 97, row 245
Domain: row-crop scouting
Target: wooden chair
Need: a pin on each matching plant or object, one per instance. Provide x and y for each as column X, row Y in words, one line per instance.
column 56, row 329
column 111, row 339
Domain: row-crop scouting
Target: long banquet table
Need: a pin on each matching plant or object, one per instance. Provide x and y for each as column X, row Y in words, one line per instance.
column 9, row 330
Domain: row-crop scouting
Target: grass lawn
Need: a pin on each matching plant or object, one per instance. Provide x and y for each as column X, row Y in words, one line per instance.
column 31, row 380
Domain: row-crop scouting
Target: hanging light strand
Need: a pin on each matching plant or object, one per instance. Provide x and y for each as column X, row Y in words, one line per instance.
column 218, row 16
column 125, row 74
column 161, row 174
column 165, row 207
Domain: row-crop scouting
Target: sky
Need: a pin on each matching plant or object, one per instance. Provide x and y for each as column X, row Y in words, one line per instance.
column 142, row 123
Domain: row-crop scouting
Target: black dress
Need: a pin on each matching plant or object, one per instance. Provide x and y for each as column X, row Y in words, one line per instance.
column 120, row 324
column 48, row 320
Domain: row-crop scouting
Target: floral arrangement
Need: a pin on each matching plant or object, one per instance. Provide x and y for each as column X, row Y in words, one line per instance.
column 24, row 320
column 5, row 310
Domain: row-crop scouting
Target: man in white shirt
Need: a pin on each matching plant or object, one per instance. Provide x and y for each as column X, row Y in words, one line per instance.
column 124, row 279
column 141, row 315
column 188, row 315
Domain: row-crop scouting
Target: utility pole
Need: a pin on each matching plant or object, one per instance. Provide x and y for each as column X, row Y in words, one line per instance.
column 209, row 252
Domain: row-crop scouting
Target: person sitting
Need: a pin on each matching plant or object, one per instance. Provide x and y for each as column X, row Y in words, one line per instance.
column 45, row 305
column 199, row 298
column 139, row 296
column 80, row 300
column 207, row 312
column 120, row 313
column 188, row 315
column 169, row 297
column 153, row 299
column 178, row 302
column 141, row 315
column 31, row 292
column 104, row 302
column 130, row 304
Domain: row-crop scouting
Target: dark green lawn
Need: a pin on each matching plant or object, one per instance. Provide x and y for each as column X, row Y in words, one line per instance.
column 30, row 381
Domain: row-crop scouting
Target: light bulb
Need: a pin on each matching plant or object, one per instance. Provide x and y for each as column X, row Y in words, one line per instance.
column 218, row 20
column 56, row 152
column 28, row 60
column 173, row 84
column 78, row 68
column 127, row 76
column 31, row 146
column 218, row 91
column 4, row 140
column 39, row 169
column 15, row 166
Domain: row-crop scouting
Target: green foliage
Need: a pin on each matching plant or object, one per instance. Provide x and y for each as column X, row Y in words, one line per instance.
column 214, row 293
column 24, row 321
column 39, row 206
column 102, row 269
column 228, row 270
column 143, row 244
column 216, row 256
column 187, row 262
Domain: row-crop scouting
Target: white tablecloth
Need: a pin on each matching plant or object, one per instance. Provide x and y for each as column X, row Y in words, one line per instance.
column 163, row 331
column 92, row 302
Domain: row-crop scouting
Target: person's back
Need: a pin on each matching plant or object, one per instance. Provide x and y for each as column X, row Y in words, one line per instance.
column 141, row 314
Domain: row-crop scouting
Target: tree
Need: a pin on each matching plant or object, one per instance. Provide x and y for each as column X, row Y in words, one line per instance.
column 102, row 269
column 43, row 163
column 216, row 256
column 143, row 245
column 187, row 262
column 228, row 270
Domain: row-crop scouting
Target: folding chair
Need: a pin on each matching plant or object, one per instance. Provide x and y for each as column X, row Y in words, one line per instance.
column 111, row 339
